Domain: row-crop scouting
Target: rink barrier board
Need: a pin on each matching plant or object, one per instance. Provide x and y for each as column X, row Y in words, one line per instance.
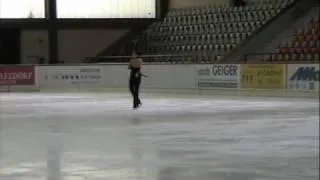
column 17, row 75
column 115, row 76
column 217, row 76
column 20, row 78
column 262, row 76
column 178, row 78
column 68, row 76
column 303, row 78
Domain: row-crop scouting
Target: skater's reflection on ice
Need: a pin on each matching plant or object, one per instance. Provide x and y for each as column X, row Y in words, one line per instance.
column 54, row 145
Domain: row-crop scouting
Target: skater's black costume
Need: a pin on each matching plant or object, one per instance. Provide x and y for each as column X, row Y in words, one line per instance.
column 134, row 84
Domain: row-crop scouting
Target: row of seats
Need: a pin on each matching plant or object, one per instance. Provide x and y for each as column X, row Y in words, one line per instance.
column 204, row 59
column 299, row 50
column 250, row 2
column 220, row 18
column 204, row 29
column 293, row 57
column 309, row 37
column 225, row 37
column 301, row 32
column 260, row 6
column 309, row 44
column 216, row 48
column 223, row 9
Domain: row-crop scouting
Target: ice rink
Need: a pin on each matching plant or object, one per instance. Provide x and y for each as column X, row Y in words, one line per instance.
column 97, row 136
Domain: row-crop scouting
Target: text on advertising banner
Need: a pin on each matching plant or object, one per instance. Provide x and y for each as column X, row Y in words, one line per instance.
column 70, row 75
column 262, row 76
column 217, row 76
column 17, row 75
column 303, row 77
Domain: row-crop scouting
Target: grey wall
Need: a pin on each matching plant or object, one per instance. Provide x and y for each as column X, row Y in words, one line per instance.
column 190, row 3
column 33, row 43
column 74, row 45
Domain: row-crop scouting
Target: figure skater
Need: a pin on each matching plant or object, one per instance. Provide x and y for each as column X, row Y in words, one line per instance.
column 135, row 79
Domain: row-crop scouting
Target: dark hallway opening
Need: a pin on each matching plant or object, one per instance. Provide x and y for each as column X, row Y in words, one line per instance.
column 10, row 46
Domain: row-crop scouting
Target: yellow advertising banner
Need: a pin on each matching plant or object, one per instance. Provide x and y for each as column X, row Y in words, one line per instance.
column 262, row 76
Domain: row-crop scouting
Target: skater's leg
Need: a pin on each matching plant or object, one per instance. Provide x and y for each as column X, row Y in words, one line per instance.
column 137, row 83
column 133, row 91
column 137, row 88
column 137, row 101
column 131, row 86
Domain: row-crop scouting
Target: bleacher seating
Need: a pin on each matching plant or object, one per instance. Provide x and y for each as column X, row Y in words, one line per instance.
column 305, row 45
column 208, row 33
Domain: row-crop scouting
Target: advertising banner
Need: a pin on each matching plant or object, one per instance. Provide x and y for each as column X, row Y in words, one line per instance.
column 169, row 76
column 262, row 76
column 303, row 77
column 217, row 76
column 61, row 76
column 17, row 75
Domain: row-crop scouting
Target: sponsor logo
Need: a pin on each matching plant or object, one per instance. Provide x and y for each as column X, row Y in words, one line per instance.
column 219, row 76
column 262, row 76
column 81, row 76
column 208, row 84
column 224, row 70
column 90, row 70
column 219, row 70
column 304, row 78
column 17, row 75
column 306, row 74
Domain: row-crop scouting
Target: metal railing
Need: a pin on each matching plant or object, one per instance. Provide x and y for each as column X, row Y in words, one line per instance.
column 206, row 59
column 159, row 58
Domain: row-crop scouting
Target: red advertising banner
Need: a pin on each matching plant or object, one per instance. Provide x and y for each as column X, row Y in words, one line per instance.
column 17, row 75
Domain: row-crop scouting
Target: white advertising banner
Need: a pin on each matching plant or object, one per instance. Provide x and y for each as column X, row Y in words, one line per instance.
column 117, row 76
column 68, row 76
column 169, row 76
column 217, row 76
column 303, row 77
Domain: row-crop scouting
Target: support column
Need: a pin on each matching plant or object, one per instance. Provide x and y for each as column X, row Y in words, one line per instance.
column 52, row 32
column 53, row 45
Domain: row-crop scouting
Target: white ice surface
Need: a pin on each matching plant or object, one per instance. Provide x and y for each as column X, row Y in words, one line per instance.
column 99, row 137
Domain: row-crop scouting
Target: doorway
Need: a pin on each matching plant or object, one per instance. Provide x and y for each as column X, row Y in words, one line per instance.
column 10, row 46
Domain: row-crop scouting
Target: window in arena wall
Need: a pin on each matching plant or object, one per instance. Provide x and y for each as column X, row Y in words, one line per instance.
column 22, row 9
column 106, row 9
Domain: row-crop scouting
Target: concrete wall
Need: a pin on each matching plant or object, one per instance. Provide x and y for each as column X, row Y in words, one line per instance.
column 190, row 3
column 33, row 43
column 74, row 45
column 78, row 44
